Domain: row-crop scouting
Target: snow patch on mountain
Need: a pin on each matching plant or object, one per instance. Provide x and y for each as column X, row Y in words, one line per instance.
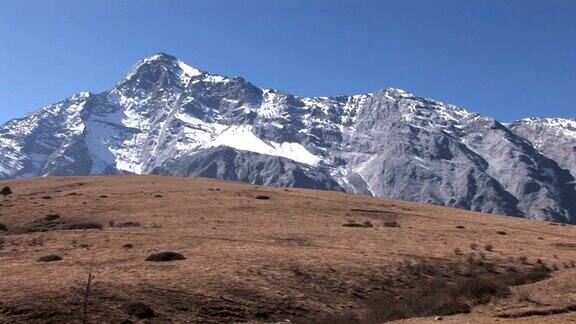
column 242, row 138
column 188, row 72
column 559, row 126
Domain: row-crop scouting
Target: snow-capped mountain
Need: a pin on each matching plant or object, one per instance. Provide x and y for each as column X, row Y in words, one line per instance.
column 167, row 117
column 553, row 137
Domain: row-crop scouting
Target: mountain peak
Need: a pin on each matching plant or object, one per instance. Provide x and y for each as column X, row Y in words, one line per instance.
column 160, row 59
column 167, row 117
column 162, row 55
column 161, row 69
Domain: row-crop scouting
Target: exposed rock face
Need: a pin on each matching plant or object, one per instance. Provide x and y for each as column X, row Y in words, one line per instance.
column 553, row 137
column 166, row 117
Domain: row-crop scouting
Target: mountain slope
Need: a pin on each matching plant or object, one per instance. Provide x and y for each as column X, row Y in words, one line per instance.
column 166, row 117
column 553, row 137
column 292, row 257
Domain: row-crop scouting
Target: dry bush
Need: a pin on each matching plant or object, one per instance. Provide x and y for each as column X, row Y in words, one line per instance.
column 3, row 227
column 139, row 310
column 523, row 259
column 434, row 297
column 165, row 257
column 82, row 225
column 51, row 217
column 430, row 294
column 473, row 246
column 50, row 258
column 84, row 290
column 532, row 275
column 489, row 247
column 6, row 191
column 391, row 224
column 128, row 224
column 354, row 224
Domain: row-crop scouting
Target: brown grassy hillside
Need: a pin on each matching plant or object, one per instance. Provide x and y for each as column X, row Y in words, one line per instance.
column 257, row 254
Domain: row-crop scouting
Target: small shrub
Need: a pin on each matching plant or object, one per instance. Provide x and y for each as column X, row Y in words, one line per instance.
column 489, row 247
column 391, row 224
column 158, row 196
column 501, row 233
column 3, row 227
column 2, row 242
column 262, row 197
column 473, row 246
column 367, row 224
column 50, row 258
column 460, row 227
column 127, row 246
column 47, row 197
column 165, row 257
column 457, row 251
column 139, row 310
column 103, row 196
column 6, row 191
column 111, row 223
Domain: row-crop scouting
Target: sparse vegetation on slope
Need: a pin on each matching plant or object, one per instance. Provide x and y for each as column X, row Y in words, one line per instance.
column 238, row 259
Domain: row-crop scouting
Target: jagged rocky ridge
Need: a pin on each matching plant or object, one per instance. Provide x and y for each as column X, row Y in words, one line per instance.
column 166, row 117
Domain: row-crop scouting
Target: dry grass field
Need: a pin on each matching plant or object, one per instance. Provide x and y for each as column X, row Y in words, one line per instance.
column 260, row 255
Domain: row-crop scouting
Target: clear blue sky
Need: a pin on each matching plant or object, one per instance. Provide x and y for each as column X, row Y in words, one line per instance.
column 508, row 59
